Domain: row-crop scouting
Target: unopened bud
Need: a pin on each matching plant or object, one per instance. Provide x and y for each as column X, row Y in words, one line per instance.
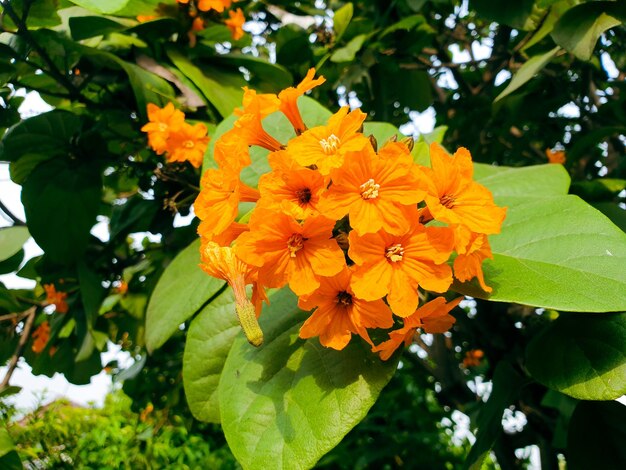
column 246, row 314
column 373, row 142
column 409, row 142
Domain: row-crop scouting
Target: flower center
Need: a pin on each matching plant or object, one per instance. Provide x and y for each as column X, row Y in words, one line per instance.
column 344, row 299
column 369, row 189
column 295, row 243
column 188, row 144
column 330, row 145
column 394, row 253
column 163, row 127
column 448, row 201
column 303, row 195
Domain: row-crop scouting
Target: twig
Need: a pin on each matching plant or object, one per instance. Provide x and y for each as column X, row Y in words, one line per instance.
column 14, row 316
column 20, row 346
column 10, row 214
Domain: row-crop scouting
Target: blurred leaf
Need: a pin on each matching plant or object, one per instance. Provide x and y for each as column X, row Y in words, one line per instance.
column 83, row 27
column 12, row 263
column 217, row 87
column 11, row 241
column 348, row 52
column 596, row 436
column 341, row 20
column 545, row 27
column 579, row 28
column 516, row 14
column 61, row 199
column 292, row 400
column 20, row 169
column 49, row 133
column 91, row 291
column 527, row 71
column 565, row 405
column 261, row 70
column 6, row 443
column 181, row 291
column 135, row 215
column 208, row 342
column 581, row 355
column 506, row 387
column 407, row 23
column 101, row 6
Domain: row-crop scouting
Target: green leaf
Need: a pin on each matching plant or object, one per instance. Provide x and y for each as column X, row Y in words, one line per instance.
column 276, row 75
column 181, row 291
column 11, row 241
column 290, row 401
column 506, row 387
column 382, row 131
column 407, row 23
column 341, row 20
column 348, row 52
column 579, row 28
column 596, row 436
column 527, row 71
column 61, row 199
column 209, row 340
column 6, row 443
column 83, row 27
column 516, row 14
column 557, row 253
column 49, row 133
column 91, row 291
column 12, row 263
column 222, row 90
column 101, row 6
column 20, row 169
column 614, row 212
column 581, row 355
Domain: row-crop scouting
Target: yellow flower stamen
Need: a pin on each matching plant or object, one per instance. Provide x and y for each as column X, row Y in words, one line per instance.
column 394, row 253
column 448, row 201
column 330, row 145
column 369, row 189
column 189, row 144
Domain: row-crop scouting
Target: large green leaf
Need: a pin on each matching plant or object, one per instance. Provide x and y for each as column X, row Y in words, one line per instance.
column 287, row 403
column 11, row 241
column 182, row 290
column 554, row 251
column 220, row 89
column 581, row 355
column 596, row 436
column 61, row 199
column 47, row 134
column 209, row 340
column 259, row 68
column 580, row 27
column 102, row 6
column 506, row 386
column 527, row 71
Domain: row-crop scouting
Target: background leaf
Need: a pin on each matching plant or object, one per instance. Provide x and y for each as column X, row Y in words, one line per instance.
column 596, row 436
column 181, row 291
column 11, row 241
column 583, row 356
column 527, row 71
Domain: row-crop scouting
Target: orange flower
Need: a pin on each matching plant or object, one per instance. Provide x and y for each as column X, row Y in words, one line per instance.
column 56, row 298
column 40, row 336
column 248, row 127
column 144, row 18
column 377, row 193
column 260, row 105
column 188, row 143
column 294, row 192
column 340, row 313
column 473, row 358
column 221, row 262
column 289, row 99
column 163, row 121
column 282, row 160
column 556, row 156
column 394, row 265
column 433, row 317
column 218, row 202
column 288, row 252
column 197, row 24
column 235, row 23
column 224, row 238
column 453, row 196
column 395, row 150
column 206, row 5
column 468, row 263
column 231, row 152
column 325, row 146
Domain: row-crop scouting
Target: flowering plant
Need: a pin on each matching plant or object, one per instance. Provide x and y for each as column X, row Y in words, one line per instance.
column 358, row 232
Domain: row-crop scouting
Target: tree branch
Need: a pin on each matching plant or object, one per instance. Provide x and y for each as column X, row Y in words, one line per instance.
column 20, row 346
column 13, row 217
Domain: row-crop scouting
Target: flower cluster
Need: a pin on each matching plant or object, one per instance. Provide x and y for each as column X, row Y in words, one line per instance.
column 234, row 22
column 169, row 134
column 355, row 231
column 56, row 298
column 40, row 336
